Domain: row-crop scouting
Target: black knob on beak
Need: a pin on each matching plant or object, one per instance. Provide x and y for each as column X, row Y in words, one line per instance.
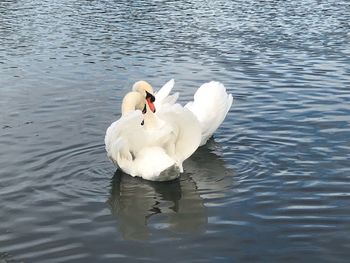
column 150, row 96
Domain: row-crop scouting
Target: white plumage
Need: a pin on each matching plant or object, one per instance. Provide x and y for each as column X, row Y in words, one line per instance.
column 156, row 150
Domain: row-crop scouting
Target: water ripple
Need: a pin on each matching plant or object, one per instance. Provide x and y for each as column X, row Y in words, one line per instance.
column 271, row 186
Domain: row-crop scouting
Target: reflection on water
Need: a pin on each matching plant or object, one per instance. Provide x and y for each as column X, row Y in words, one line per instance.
column 135, row 203
column 5, row 257
column 175, row 205
column 209, row 171
column 276, row 187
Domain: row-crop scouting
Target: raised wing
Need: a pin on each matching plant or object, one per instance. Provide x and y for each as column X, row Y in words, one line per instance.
column 163, row 97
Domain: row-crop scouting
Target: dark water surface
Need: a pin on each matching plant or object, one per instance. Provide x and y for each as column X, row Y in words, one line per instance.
column 274, row 184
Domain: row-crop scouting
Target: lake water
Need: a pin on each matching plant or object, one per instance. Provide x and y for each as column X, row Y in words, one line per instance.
column 272, row 186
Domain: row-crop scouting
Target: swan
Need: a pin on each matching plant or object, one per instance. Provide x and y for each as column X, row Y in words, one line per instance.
column 155, row 135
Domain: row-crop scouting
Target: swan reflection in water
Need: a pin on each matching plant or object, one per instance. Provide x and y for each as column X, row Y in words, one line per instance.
column 178, row 205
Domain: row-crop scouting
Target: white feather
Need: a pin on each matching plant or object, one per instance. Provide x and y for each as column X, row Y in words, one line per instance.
column 162, row 96
column 156, row 150
column 210, row 106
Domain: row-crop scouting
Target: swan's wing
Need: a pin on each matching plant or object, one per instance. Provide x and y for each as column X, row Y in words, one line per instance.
column 185, row 128
column 165, row 90
column 162, row 96
column 122, row 136
column 137, row 150
column 210, row 106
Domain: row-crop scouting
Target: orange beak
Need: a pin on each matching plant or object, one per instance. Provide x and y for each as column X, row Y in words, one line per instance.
column 151, row 105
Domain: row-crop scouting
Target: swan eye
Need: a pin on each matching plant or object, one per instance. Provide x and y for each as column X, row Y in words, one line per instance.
column 144, row 110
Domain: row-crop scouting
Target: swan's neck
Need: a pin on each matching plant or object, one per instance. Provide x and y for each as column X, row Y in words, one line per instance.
column 131, row 102
column 134, row 101
column 151, row 121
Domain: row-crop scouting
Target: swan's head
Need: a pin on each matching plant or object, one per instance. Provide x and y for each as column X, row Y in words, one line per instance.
column 146, row 91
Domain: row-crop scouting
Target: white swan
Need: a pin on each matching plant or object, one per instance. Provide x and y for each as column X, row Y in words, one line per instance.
column 155, row 134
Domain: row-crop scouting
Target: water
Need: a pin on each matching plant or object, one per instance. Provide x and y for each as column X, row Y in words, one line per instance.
column 272, row 186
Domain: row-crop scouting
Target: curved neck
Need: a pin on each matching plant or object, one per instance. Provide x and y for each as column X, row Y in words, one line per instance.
column 134, row 101
column 131, row 102
column 150, row 119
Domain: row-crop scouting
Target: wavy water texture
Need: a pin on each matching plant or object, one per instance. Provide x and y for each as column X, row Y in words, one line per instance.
column 272, row 186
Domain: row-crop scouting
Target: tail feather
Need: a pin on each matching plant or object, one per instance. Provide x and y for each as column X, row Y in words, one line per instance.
column 210, row 106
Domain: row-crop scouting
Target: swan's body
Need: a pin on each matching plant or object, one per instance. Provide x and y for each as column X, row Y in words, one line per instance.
column 153, row 145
